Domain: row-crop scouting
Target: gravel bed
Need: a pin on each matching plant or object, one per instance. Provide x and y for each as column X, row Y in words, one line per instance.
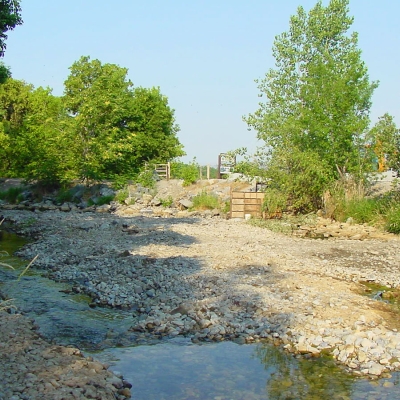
column 212, row 279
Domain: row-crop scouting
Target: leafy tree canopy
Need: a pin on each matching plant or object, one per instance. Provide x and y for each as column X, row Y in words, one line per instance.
column 317, row 99
column 35, row 134
column 384, row 139
column 118, row 127
column 10, row 17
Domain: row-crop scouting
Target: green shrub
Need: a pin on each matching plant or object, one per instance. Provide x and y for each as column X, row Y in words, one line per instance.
column 146, row 179
column 188, row 172
column 226, row 207
column 274, row 202
column 361, row 210
column 393, row 220
column 167, row 202
column 104, row 200
column 64, row 195
column 122, row 195
column 205, row 201
column 12, row 195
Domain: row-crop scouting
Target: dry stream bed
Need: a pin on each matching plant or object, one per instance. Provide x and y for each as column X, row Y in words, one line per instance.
column 204, row 280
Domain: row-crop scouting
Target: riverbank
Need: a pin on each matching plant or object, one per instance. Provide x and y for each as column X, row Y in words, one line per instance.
column 32, row 368
column 212, row 279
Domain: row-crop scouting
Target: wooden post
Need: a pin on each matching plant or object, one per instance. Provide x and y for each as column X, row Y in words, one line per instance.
column 208, row 171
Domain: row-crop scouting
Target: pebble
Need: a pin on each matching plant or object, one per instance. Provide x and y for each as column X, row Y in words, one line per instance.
column 214, row 279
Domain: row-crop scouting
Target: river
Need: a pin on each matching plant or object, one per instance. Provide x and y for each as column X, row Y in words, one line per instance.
column 177, row 368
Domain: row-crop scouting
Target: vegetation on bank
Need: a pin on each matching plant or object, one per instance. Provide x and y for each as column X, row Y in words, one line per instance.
column 313, row 119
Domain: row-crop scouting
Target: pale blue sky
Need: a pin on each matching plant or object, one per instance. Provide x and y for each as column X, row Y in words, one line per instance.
column 204, row 54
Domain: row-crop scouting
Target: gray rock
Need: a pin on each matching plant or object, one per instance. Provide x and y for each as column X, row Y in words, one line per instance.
column 185, row 203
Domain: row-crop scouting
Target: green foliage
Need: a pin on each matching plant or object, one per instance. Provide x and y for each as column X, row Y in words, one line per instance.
column 300, row 177
column 361, row 210
column 35, row 134
column 226, row 207
column 10, row 17
column 118, row 128
column 205, row 201
column 101, row 128
column 188, row 172
column 146, row 178
column 252, row 165
column 275, row 202
column 384, row 140
column 167, row 202
column 122, row 195
column 12, row 195
column 5, row 73
column 393, row 220
column 64, row 195
column 104, row 200
column 317, row 104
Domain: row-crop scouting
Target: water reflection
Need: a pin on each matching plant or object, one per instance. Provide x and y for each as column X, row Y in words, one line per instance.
column 294, row 378
column 180, row 370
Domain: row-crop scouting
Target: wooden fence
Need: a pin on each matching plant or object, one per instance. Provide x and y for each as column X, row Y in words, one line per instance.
column 243, row 203
column 163, row 170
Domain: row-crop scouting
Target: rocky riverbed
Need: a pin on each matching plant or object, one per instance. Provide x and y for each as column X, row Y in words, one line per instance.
column 209, row 279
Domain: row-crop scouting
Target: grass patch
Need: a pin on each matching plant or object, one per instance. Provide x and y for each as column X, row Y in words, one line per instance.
column 392, row 223
column 167, row 202
column 100, row 201
column 65, row 196
column 122, row 195
column 12, row 195
column 362, row 210
column 205, row 201
column 104, row 200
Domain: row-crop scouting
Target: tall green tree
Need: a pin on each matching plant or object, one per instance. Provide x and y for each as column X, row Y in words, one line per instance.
column 10, row 17
column 36, row 139
column 96, row 96
column 47, row 140
column 317, row 99
column 14, row 107
column 384, row 140
column 118, row 127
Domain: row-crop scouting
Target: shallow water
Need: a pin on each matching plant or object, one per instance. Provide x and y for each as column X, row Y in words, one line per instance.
column 178, row 369
column 181, row 370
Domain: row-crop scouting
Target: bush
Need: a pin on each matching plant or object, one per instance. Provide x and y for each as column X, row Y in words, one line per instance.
column 146, row 178
column 274, row 202
column 205, row 201
column 167, row 202
column 188, row 172
column 362, row 210
column 64, row 196
column 12, row 195
column 122, row 195
column 393, row 220
column 104, row 200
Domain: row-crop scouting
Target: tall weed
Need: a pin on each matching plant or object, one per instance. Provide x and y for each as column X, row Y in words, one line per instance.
column 205, row 201
column 12, row 195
